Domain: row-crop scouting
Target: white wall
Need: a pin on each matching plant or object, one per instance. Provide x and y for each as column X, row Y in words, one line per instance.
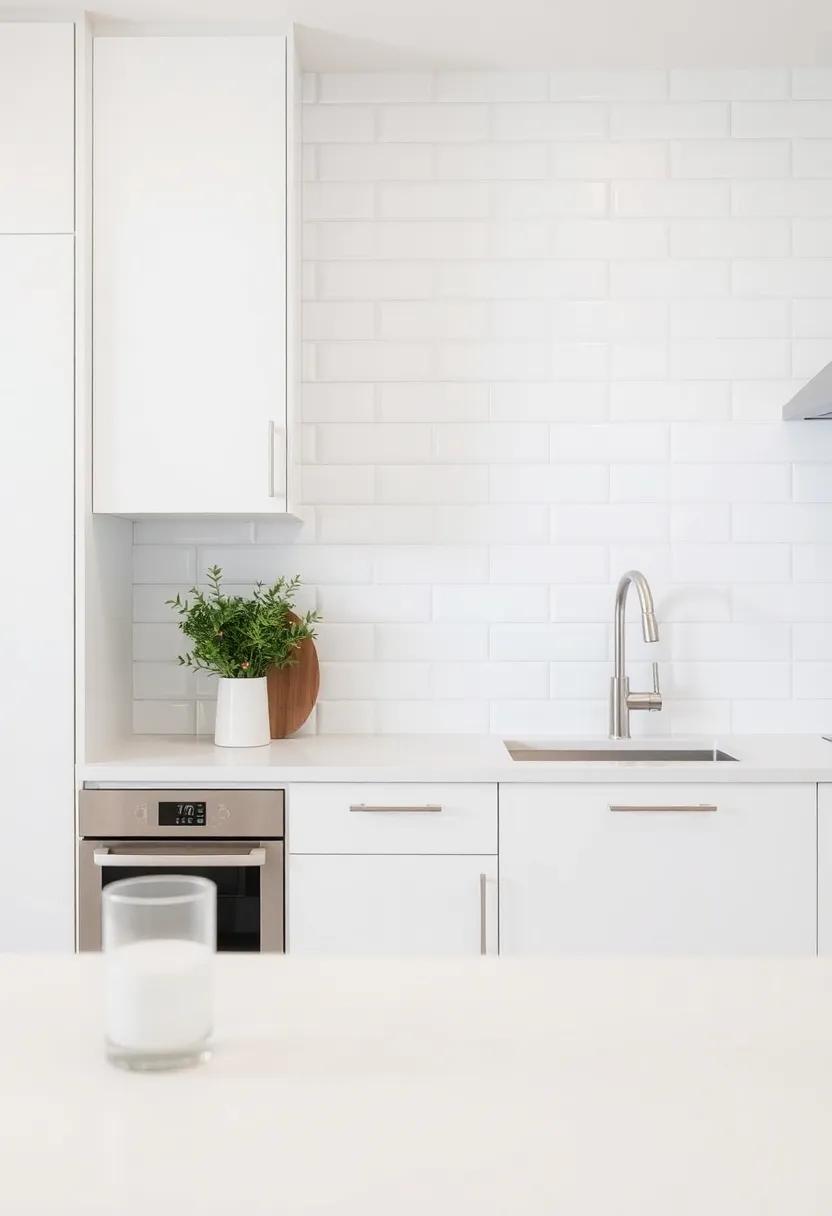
column 550, row 323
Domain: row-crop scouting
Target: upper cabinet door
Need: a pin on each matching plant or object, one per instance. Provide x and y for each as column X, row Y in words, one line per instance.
column 189, row 257
column 37, row 117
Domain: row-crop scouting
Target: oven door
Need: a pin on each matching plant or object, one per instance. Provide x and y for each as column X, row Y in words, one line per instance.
column 248, row 875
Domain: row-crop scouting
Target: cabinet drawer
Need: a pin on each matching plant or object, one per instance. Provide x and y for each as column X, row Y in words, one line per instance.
column 657, row 869
column 392, row 818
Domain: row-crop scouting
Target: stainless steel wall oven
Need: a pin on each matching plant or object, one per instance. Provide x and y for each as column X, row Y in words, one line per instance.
column 233, row 837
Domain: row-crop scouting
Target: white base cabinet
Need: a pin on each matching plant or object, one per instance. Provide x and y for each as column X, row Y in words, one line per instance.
column 398, row 869
column 342, row 905
column 646, row 869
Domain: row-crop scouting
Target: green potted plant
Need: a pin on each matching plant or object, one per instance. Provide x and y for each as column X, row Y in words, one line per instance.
column 238, row 638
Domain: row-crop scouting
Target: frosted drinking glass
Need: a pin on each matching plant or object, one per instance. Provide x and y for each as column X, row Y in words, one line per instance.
column 159, row 934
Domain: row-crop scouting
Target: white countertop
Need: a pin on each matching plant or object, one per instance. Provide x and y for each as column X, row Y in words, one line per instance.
column 467, row 1086
column 191, row 761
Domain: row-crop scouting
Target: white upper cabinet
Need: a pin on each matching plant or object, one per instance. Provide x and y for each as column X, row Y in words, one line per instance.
column 37, row 116
column 190, row 274
column 657, row 869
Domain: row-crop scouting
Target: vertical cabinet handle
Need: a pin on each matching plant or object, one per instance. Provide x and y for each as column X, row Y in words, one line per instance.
column 483, row 935
column 273, row 432
column 271, row 458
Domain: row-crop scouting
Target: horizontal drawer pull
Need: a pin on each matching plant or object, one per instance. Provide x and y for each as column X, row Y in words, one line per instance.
column 696, row 806
column 395, row 810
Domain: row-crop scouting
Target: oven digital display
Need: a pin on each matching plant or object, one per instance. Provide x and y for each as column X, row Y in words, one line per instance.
column 182, row 815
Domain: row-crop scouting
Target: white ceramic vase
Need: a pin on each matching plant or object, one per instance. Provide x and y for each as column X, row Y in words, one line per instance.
column 242, row 714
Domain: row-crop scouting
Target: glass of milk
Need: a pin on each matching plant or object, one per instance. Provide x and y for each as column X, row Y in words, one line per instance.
column 159, row 934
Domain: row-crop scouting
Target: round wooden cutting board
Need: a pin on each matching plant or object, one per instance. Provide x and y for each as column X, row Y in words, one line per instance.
column 293, row 691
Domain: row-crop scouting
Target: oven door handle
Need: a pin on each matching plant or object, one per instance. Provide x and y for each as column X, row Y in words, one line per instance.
column 253, row 857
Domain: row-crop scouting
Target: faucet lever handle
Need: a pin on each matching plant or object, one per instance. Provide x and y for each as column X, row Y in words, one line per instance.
column 656, row 687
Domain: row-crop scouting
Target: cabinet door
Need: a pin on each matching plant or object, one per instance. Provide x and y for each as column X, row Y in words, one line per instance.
column 825, row 869
column 391, row 905
column 36, row 607
column 189, row 365
column 37, row 123
column 647, row 869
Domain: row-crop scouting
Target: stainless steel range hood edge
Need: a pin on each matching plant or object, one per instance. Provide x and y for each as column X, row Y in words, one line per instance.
column 814, row 400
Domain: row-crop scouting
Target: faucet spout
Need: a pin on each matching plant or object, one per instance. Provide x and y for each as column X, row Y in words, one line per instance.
column 621, row 699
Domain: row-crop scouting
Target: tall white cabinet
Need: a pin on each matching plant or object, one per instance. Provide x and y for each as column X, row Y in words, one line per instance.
column 36, row 483
column 191, row 258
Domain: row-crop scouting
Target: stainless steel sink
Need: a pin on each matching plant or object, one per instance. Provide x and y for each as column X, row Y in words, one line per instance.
column 619, row 755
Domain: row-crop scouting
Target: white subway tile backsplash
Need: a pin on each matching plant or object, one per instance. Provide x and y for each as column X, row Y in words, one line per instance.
column 599, row 84
column 338, row 124
column 617, row 238
column 730, row 238
column 374, row 281
column 671, row 198
column 449, row 483
column 489, row 603
column 434, row 402
column 491, row 86
column 434, row 641
column 545, row 483
column 608, row 442
column 551, row 319
column 608, row 160
column 376, row 87
column 434, row 124
column 374, row 681
column 338, row 200
column 730, row 158
column 521, row 280
column 548, row 563
column 789, row 119
column 812, row 157
column 783, row 278
column 164, row 717
column 525, row 200
column 557, row 120
column 608, row 522
column 722, row 319
column 433, row 319
column 670, row 401
column 783, row 198
column 669, row 279
column 731, row 84
column 433, row 200
column 725, row 359
column 669, row 120
column 491, row 162
column 373, row 162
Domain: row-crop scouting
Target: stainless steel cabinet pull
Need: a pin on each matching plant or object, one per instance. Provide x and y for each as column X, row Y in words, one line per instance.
column 483, row 938
column 393, row 810
column 696, row 807
column 271, row 457
column 248, row 857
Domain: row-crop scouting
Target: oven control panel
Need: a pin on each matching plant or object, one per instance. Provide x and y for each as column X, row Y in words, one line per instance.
column 237, row 814
column 182, row 814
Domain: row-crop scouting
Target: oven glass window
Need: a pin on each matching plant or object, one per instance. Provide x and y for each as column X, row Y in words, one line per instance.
column 238, row 899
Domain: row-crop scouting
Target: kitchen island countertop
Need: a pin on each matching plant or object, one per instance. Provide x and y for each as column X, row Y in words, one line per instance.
column 461, row 1086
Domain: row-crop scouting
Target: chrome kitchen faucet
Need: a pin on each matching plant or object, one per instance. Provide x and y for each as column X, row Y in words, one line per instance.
column 621, row 699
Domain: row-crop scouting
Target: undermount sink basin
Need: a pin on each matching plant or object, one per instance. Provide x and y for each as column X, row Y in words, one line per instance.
column 618, row 755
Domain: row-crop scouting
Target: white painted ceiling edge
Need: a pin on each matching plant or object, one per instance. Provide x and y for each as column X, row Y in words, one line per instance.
column 378, row 35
